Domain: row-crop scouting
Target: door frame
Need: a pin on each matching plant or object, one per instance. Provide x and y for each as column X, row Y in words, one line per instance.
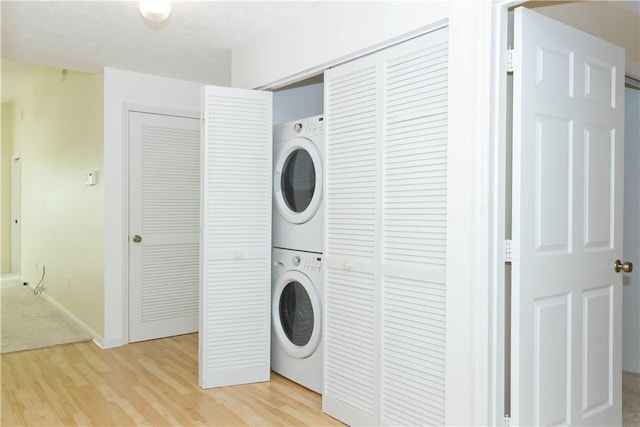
column 16, row 206
column 126, row 110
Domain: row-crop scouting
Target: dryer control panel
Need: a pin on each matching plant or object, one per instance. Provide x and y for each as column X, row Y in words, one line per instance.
column 309, row 127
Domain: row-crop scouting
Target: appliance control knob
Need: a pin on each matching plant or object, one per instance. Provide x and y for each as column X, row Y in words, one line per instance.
column 296, row 260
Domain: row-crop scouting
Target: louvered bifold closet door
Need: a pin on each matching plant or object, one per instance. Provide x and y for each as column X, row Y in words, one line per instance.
column 386, row 124
column 351, row 346
column 414, row 231
column 236, row 247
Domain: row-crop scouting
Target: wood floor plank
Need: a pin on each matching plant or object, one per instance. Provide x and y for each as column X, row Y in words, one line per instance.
column 148, row 383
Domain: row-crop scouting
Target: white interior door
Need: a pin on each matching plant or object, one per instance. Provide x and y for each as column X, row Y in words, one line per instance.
column 567, row 225
column 235, row 322
column 16, row 206
column 164, row 225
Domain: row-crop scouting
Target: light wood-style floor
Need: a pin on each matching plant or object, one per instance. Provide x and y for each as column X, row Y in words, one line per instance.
column 148, row 383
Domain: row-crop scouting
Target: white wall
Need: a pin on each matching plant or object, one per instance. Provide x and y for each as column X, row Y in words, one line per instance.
column 631, row 282
column 328, row 33
column 337, row 30
column 122, row 89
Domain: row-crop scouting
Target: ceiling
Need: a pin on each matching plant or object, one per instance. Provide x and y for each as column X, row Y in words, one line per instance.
column 194, row 44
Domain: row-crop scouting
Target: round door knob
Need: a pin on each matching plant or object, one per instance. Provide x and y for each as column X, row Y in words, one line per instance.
column 619, row 266
column 137, row 239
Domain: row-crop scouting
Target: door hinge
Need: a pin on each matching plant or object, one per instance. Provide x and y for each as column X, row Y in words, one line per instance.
column 510, row 60
column 508, row 251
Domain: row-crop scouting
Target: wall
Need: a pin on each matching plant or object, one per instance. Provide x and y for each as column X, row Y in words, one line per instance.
column 336, row 31
column 5, row 185
column 631, row 282
column 298, row 103
column 605, row 19
column 328, row 33
column 57, row 129
column 122, row 89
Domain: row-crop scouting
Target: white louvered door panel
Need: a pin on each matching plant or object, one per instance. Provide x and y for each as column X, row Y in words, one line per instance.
column 386, row 124
column 165, row 212
column 236, row 248
column 414, row 231
column 350, row 392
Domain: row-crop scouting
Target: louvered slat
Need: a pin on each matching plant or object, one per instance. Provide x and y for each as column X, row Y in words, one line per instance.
column 235, row 330
column 350, row 339
column 416, row 156
column 351, row 165
column 170, row 188
column 165, row 210
column 414, row 235
column 170, row 281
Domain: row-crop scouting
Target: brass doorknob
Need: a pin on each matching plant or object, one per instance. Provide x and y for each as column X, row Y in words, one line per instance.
column 137, row 239
column 618, row 266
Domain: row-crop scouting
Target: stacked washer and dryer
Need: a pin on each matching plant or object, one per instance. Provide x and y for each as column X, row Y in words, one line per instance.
column 296, row 342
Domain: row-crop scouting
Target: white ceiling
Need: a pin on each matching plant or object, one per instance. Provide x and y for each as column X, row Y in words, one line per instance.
column 194, row 44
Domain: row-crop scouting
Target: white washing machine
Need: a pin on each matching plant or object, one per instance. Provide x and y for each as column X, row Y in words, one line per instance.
column 298, row 149
column 296, row 317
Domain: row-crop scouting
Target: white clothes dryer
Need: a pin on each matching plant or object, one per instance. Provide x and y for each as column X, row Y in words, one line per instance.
column 296, row 317
column 298, row 149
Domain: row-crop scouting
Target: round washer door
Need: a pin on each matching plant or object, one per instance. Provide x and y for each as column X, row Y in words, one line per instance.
column 297, row 181
column 296, row 314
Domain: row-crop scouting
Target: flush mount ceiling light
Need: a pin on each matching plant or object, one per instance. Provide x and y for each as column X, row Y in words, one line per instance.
column 155, row 10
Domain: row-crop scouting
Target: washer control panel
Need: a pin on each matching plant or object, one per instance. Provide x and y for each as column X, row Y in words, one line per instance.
column 309, row 262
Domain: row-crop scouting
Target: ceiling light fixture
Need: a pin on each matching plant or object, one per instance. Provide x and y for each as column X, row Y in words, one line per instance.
column 155, row 10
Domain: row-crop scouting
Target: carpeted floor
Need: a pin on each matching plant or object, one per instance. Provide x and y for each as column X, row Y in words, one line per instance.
column 630, row 399
column 30, row 322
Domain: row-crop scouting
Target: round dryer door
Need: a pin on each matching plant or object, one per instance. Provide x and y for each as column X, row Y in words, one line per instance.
column 297, row 181
column 296, row 314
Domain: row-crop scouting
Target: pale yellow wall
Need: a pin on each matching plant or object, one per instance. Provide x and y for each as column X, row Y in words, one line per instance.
column 5, row 186
column 608, row 20
column 58, row 130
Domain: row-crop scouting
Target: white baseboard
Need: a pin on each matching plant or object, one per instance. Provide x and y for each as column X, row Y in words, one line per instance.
column 9, row 278
column 97, row 339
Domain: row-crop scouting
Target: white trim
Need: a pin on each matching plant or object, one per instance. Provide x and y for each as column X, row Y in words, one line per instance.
column 496, row 220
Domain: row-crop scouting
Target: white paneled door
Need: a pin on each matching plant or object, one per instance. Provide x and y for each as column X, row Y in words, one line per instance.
column 235, row 328
column 567, row 225
column 164, row 225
